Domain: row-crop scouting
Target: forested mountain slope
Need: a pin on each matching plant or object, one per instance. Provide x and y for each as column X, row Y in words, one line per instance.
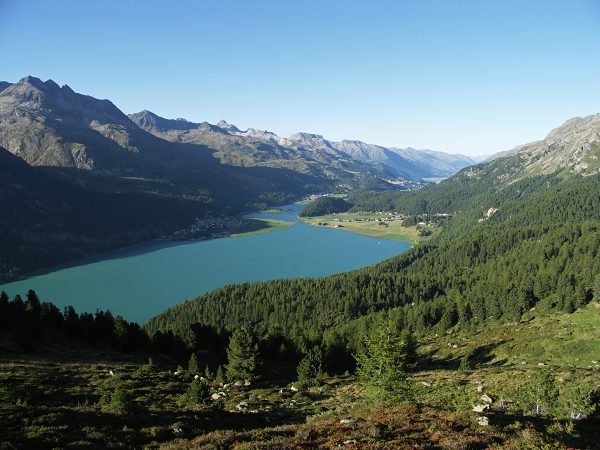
column 570, row 150
column 46, row 221
column 540, row 249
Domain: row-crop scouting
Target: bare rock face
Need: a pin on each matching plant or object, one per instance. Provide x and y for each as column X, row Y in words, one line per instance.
column 574, row 147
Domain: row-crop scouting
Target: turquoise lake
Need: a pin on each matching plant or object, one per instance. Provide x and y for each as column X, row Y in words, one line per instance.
column 142, row 281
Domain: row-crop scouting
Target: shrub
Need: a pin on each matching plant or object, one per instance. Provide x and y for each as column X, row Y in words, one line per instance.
column 197, row 394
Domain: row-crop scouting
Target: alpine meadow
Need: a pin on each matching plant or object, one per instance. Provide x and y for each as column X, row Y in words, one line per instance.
column 418, row 269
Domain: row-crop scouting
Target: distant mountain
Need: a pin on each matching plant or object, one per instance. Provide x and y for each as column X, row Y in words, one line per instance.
column 93, row 143
column 304, row 151
column 572, row 148
column 569, row 151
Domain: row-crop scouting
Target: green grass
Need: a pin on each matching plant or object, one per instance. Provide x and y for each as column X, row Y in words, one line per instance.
column 556, row 339
column 261, row 226
column 387, row 230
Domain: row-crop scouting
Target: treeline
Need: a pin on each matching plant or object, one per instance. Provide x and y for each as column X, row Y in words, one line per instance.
column 325, row 205
column 544, row 248
column 32, row 322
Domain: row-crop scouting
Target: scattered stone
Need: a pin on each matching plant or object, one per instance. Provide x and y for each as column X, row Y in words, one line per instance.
column 176, row 373
column 350, row 441
column 215, row 396
column 480, row 388
column 425, row 383
column 196, row 377
column 111, row 373
column 483, row 421
column 177, row 432
column 294, row 388
column 486, row 398
column 541, row 364
column 347, row 421
column 242, row 406
column 455, row 346
column 523, row 362
column 481, row 408
column 594, row 362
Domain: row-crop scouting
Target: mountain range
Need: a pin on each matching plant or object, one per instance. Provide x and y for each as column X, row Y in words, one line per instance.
column 153, row 175
column 310, row 152
column 84, row 177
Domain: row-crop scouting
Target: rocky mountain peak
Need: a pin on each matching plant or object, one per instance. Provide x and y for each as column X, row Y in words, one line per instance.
column 224, row 125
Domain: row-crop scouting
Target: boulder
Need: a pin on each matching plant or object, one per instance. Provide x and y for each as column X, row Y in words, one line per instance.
column 347, row 421
column 486, row 398
column 483, row 421
column 481, row 408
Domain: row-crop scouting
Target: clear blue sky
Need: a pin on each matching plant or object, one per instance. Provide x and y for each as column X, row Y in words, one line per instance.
column 460, row 76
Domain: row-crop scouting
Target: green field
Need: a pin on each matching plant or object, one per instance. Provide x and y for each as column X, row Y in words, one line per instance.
column 261, row 226
column 385, row 230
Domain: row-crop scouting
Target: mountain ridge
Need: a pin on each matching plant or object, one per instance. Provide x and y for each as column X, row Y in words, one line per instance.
column 406, row 163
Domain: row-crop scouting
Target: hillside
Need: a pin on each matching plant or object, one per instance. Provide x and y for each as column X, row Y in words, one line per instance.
column 325, row 205
column 571, row 150
column 46, row 221
column 91, row 142
column 499, row 267
column 306, row 152
column 111, row 385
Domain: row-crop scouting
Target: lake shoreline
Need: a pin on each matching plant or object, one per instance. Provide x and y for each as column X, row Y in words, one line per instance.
column 143, row 280
column 92, row 257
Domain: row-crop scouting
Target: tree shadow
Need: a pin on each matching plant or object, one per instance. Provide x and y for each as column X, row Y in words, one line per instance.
column 480, row 356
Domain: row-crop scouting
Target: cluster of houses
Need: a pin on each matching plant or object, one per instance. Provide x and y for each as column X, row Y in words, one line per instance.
column 210, row 228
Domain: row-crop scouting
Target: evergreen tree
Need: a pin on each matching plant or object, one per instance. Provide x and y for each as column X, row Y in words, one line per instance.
column 410, row 345
column 382, row 363
column 193, row 365
column 310, row 368
column 220, row 375
column 242, row 356
column 32, row 304
column 197, row 394
column 542, row 393
column 597, row 288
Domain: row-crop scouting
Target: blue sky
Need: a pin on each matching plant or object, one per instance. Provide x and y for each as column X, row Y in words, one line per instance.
column 474, row 77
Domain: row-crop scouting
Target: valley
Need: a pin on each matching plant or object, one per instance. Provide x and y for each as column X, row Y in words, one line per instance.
column 382, row 225
column 269, row 225
column 148, row 278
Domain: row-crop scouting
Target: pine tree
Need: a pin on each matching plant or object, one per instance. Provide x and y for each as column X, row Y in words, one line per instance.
column 597, row 288
column 310, row 368
column 410, row 345
column 382, row 363
column 193, row 366
column 242, row 356
column 220, row 375
column 542, row 393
